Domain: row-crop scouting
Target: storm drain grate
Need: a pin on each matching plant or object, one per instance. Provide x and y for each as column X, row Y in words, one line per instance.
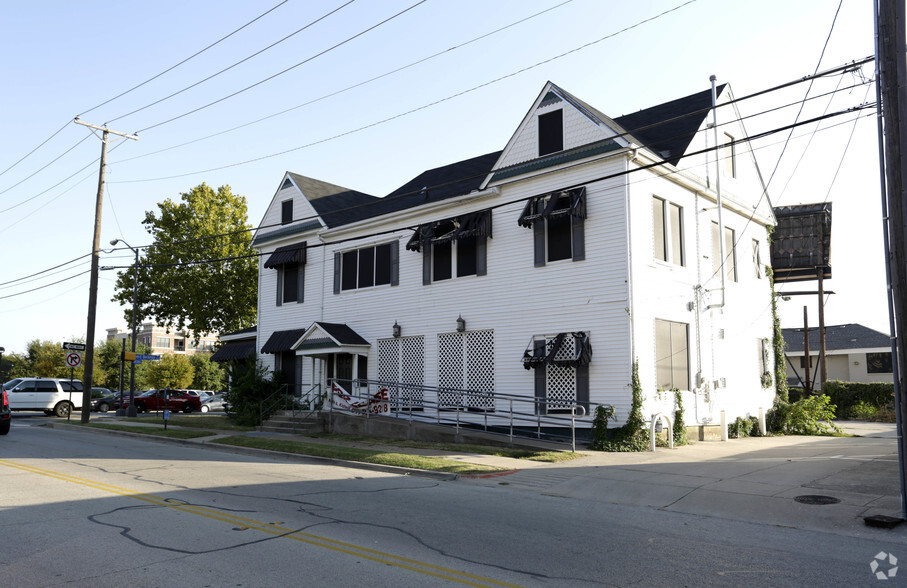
column 816, row 499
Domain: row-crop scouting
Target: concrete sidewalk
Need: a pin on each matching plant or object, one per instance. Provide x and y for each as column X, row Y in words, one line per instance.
column 755, row 479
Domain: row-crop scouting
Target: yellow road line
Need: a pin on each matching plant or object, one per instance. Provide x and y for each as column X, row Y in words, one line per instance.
column 308, row 538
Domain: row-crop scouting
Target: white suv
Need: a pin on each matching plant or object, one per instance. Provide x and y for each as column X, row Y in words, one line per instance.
column 54, row 396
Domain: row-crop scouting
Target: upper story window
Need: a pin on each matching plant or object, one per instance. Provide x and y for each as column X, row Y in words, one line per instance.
column 730, row 156
column 757, row 260
column 558, row 223
column 365, row 267
column 286, row 212
column 551, row 132
column 453, row 247
column 730, row 254
column 667, row 231
column 289, row 261
column 179, row 344
column 163, row 342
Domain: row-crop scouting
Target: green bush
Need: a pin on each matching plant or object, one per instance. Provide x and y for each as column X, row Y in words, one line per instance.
column 743, row 427
column 811, row 415
column 250, row 388
column 847, row 396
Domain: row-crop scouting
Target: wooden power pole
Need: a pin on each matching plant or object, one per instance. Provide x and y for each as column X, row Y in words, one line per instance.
column 88, row 374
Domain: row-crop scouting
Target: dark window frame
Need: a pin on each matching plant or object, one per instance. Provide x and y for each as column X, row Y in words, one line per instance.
column 674, row 361
column 366, row 267
column 286, row 212
column 879, row 363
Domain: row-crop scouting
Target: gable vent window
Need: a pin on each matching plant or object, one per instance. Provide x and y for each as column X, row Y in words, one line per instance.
column 551, row 132
column 286, row 212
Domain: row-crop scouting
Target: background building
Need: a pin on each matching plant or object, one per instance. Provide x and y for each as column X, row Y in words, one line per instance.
column 162, row 340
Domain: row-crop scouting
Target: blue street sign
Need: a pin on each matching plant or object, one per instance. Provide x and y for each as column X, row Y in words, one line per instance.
column 147, row 357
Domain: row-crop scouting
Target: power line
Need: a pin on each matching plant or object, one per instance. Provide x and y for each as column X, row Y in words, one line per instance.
column 194, row 55
column 356, row 85
column 228, row 68
column 280, row 73
column 37, row 171
column 36, row 148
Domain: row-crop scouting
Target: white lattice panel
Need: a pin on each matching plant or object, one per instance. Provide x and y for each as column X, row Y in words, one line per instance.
column 450, row 368
column 466, row 362
column 560, row 381
column 480, row 368
column 403, row 361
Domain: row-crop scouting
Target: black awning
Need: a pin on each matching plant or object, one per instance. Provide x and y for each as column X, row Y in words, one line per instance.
column 281, row 341
column 233, row 350
column 582, row 352
column 473, row 224
column 554, row 204
column 295, row 253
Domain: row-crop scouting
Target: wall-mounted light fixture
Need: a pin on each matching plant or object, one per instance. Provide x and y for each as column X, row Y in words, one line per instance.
column 461, row 324
column 396, row 329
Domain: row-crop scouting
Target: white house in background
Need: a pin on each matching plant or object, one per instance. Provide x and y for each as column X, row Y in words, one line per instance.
column 543, row 270
column 853, row 353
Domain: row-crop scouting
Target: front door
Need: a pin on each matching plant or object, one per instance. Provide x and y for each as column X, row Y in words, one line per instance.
column 288, row 368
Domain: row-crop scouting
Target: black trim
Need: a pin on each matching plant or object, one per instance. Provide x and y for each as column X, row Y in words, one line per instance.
column 473, row 224
column 544, row 206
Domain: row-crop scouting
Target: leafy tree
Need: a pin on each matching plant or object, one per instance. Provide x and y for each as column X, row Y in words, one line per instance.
column 170, row 371
column 208, row 374
column 45, row 359
column 200, row 273
column 107, row 365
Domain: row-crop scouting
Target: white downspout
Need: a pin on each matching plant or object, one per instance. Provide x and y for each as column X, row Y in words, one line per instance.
column 718, row 192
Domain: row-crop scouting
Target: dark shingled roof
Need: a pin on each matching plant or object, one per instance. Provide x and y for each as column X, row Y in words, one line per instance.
column 670, row 140
column 247, row 331
column 234, row 350
column 282, row 340
column 837, row 338
column 342, row 333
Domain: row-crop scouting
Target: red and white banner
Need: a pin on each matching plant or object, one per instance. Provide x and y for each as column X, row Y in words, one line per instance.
column 377, row 404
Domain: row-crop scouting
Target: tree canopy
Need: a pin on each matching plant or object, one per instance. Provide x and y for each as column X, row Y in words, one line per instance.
column 170, row 371
column 200, row 273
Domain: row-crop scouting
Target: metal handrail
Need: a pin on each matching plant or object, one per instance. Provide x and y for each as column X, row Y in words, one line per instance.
column 273, row 401
column 506, row 412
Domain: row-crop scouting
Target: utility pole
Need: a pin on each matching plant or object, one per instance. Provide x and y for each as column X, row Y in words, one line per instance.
column 88, row 375
column 892, row 83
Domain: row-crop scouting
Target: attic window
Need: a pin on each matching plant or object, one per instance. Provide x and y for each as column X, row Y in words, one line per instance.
column 286, row 212
column 551, row 132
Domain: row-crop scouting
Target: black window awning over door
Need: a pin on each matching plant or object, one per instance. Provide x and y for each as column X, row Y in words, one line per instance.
column 473, row 224
column 582, row 353
column 554, row 204
column 295, row 253
column 281, row 341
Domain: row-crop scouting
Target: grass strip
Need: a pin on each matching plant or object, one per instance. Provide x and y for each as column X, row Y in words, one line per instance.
column 402, row 460
column 147, row 430
column 529, row 454
column 199, row 421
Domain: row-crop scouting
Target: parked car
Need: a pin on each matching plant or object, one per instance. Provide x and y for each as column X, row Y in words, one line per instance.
column 175, row 400
column 105, row 403
column 55, row 396
column 213, row 403
column 5, row 418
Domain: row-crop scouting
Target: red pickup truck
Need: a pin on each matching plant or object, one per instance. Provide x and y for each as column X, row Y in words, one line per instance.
column 174, row 400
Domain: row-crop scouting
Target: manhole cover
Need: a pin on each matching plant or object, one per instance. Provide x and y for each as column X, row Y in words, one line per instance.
column 816, row 499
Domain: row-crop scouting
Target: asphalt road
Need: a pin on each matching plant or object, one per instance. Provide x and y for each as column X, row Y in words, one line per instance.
column 92, row 509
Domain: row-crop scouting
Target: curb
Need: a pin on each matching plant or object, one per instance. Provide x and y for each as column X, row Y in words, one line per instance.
column 293, row 457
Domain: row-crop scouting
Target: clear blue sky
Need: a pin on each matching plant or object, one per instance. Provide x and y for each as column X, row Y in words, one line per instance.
column 66, row 58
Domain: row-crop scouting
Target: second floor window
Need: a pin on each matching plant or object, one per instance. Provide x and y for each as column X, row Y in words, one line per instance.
column 289, row 261
column 366, row 267
column 163, row 342
column 667, row 225
column 730, row 254
column 286, row 212
column 454, row 247
column 558, row 224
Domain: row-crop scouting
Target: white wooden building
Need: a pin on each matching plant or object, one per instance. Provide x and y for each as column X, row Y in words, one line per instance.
column 543, row 270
